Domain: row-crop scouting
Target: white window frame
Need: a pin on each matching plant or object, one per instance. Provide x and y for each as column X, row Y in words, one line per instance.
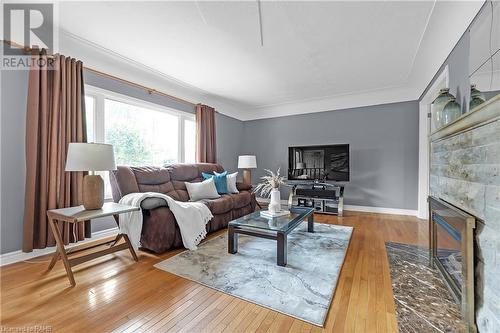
column 100, row 95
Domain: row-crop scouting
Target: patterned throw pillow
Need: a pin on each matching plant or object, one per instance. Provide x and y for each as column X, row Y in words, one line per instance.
column 220, row 181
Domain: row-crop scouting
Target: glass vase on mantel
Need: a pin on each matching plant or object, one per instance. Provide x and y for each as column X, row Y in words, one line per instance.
column 476, row 97
column 451, row 111
column 437, row 107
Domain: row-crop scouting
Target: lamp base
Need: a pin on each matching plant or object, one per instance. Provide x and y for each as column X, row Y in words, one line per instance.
column 93, row 192
column 247, row 177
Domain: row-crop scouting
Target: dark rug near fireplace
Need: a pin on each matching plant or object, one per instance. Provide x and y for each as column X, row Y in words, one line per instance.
column 423, row 303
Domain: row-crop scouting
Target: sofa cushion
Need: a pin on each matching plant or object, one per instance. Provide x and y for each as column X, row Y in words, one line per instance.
column 160, row 232
column 221, row 205
column 219, row 221
column 184, row 172
column 209, row 168
column 240, row 212
column 241, row 199
column 123, row 182
column 153, row 179
column 220, row 180
column 180, row 173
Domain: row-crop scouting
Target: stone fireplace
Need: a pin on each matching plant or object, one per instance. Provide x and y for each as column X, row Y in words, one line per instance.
column 465, row 175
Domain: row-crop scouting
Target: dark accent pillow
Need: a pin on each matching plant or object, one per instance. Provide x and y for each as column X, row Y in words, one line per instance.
column 220, row 181
column 152, row 203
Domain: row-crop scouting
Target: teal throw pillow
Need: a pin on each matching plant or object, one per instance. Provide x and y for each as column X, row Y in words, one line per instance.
column 220, row 181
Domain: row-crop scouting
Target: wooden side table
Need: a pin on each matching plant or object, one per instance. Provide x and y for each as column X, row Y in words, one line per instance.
column 77, row 215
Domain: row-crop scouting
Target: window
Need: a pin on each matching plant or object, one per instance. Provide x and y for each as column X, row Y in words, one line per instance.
column 141, row 133
column 89, row 117
column 141, row 136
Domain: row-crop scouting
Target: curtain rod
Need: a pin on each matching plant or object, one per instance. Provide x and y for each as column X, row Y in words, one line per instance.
column 150, row 91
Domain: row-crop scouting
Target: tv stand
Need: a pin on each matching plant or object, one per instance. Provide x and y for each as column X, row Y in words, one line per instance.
column 323, row 197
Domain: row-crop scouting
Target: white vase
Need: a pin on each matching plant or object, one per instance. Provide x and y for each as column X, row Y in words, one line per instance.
column 275, row 203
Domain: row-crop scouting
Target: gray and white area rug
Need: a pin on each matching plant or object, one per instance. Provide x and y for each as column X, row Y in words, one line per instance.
column 303, row 289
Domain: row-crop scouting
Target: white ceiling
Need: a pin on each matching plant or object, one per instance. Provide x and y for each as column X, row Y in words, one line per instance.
column 313, row 51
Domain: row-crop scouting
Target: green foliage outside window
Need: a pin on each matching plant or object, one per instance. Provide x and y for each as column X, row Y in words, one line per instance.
column 130, row 148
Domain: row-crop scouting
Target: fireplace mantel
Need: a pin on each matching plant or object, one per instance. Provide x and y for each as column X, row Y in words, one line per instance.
column 482, row 114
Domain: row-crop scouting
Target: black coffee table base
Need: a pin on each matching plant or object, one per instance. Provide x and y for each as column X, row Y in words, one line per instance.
column 279, row 236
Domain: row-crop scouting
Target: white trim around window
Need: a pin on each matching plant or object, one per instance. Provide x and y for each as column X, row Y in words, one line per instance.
column 100, row 95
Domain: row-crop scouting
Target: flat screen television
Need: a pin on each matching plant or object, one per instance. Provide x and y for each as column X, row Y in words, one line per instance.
column 327, row 162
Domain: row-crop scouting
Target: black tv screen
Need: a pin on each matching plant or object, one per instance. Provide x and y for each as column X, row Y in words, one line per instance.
column 328, row 162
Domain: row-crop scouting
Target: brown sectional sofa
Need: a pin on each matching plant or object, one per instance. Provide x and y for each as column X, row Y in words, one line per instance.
column 160, row 231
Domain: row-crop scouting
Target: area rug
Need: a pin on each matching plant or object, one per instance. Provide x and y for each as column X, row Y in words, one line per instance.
column 303, row 289
column 423, row 304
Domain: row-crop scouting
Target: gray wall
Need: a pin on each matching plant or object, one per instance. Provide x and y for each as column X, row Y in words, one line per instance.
column 383, row 141
column 229, row 141
column 13, row 115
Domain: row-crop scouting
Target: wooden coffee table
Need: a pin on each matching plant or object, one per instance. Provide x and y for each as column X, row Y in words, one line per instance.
column 276, row 228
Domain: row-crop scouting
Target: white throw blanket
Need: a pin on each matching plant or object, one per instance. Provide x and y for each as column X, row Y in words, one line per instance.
column 191, row 217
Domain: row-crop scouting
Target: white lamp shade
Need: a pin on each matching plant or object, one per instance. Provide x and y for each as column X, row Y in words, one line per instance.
column 90, row 157
column 247, row 162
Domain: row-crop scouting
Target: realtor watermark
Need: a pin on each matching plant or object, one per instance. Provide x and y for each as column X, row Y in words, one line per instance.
column 26, row 328
column 27, row 25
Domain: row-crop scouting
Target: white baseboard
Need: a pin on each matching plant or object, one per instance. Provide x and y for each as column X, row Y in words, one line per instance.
column 16, row 256
column 367, row 209
column 381, row 210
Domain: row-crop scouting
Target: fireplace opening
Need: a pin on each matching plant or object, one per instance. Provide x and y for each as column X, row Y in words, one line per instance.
column 449, row 253
column 451, row 245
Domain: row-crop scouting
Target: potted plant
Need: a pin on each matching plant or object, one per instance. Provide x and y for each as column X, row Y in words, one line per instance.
column 270, row 187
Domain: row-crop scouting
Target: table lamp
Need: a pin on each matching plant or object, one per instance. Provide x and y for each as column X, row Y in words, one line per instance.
column 247, row 162
column 91, row 157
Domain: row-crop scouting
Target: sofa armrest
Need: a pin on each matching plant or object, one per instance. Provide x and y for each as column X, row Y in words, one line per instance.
column 243, row 186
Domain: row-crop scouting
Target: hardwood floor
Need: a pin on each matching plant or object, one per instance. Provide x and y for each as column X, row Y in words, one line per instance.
column 116, row 294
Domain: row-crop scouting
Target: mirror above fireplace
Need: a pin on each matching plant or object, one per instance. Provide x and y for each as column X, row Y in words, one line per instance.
column 484, row 55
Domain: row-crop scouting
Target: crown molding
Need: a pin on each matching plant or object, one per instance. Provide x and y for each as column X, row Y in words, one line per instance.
column 108, row 61
column 105, row 60
column 131, row 62
column 332, row 103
